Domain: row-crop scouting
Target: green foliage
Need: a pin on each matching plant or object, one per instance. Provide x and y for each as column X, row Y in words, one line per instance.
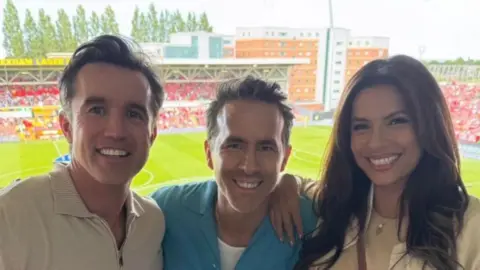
column 35, row 38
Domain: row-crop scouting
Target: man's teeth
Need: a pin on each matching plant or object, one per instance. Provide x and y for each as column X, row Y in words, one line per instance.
column 113, row 152
column 384, row 161
column 248, row 185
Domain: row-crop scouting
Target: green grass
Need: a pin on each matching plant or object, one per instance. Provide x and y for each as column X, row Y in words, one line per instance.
column 177, row 158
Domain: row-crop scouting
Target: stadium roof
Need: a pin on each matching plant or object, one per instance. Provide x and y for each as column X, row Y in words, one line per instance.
column 232, row 61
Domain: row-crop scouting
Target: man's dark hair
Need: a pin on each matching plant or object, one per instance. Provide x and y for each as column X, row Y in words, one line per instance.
column 113, row 50
column 249, row 88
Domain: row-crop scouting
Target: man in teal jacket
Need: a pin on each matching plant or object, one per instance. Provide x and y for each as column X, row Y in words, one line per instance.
column 224, row 224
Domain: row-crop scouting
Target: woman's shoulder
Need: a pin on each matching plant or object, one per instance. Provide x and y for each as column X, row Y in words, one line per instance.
column 469, row 238
column 472, row 214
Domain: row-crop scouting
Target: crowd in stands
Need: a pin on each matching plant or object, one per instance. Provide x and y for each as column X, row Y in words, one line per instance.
column 182, row 117
column 463, row 101
column 190, row 91
column 18, row 96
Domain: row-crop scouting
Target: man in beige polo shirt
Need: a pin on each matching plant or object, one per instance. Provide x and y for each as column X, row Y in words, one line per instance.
column 83, row 215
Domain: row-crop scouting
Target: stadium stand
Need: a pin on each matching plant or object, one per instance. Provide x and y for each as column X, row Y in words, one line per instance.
column 463, row 101
column 190, row 91
column 29, row 98
column 464, row 104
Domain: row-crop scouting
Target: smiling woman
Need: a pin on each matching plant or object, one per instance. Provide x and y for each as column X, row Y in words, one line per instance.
column 391, row 178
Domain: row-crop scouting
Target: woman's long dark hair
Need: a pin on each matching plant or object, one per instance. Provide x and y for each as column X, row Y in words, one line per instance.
column 434, row 199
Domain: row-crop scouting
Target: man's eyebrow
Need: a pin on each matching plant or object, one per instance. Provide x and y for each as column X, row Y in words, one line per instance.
column 94, row 100
column 138, row 107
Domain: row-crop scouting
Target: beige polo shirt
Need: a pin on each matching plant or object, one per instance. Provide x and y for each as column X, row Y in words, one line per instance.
column 44, row 225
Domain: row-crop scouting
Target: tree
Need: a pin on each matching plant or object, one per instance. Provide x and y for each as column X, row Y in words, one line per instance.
column 80, row 25
column 153, row 24
column 47, row 33
column 135, row 32
column 204, row 24
column 190, row 24
column 459, row 61
column 162, row 27
column 12, row 31
column 108, row 22
column 94, row 28
column 177, row 23
column 33, row 42
column 143, row 31
column 169, row 25
column 65, row 37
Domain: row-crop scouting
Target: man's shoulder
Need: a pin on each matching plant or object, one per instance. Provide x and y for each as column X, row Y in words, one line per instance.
column 145, row 202
column 178, row 195
column 19, row 190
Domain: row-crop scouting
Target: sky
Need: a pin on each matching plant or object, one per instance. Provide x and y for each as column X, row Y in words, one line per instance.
column 447, row 29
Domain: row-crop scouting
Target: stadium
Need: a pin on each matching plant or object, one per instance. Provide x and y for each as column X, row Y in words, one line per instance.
column 29, row 104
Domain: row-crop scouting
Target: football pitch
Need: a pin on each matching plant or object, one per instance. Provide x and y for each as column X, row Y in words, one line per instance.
column 179, row 158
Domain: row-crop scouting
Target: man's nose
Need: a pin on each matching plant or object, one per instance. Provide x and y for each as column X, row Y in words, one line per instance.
column 115, row 127
column 250, row 162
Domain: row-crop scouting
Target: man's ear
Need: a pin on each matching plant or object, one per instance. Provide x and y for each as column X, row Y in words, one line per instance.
column 66, row 125
column 153, row 135
column 288, row 151
column 208, row 154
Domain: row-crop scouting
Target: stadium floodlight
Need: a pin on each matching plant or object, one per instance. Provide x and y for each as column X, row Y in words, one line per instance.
column 329, row 55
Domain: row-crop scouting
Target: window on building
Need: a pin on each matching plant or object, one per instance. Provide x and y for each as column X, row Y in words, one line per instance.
column 339, row 53
column 282, row 53
column 317, row 34
column 301, row 34
column 339, row 43
column 336, row 82
column 367, row 43
column 338, row 62
column 336, row 91
column 282, row 34
column 337, row 72
column 309, row 34
column 367, row 52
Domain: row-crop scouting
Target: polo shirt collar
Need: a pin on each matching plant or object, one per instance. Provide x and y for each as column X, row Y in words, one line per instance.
column 67, row 201
column 202, row 203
